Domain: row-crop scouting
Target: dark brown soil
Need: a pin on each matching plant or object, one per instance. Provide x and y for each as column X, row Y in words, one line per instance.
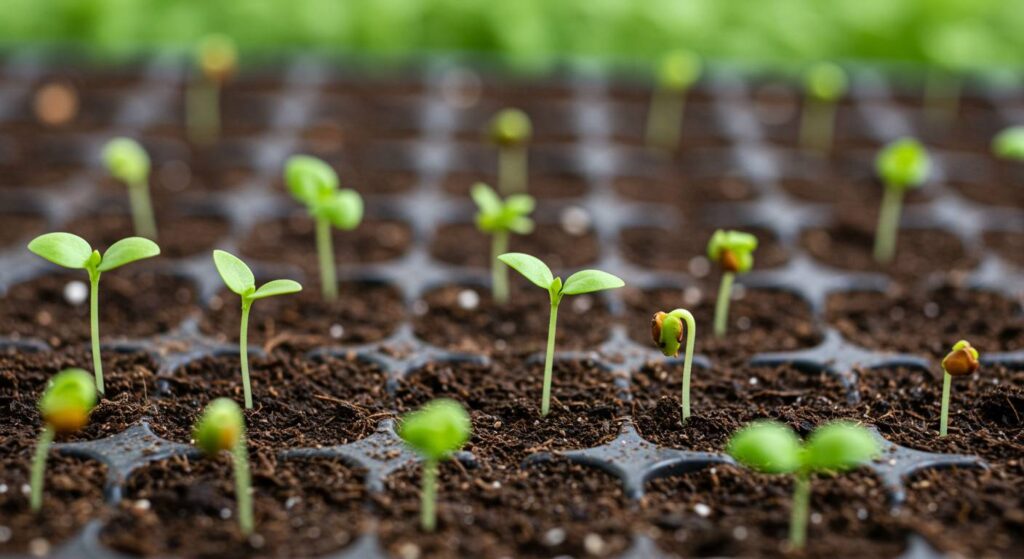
column 781, row 114
column 20, row 227
column 18, row 176
column 462, row 244
column 685, row 250
column 186, row 508
column 699, row 128
column 546, row 184
column 1009, row 245
column 179, row 235
column 854, row 201
column 690, row 195
column 1000, row 188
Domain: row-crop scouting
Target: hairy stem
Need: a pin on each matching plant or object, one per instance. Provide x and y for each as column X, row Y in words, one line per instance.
column 428, row 496
column 798, row 516
column 722, row 305
column 549, row 360
column 499, row 272
column 817, row 124
column 39, row 467
column 512, row 171
column 944, row 415
column 325, row 253
column 243, row 352
column 243, row 484
column 665, row 119
column 888, row 225
column 691, row 335
column 94, row 327
column 143, row 221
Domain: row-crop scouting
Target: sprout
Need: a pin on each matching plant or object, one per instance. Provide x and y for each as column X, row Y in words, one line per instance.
column 217, row 60
column 499, row 218
column 65, row 407
column 961, row 361
column 435, row 431
column 824, row 83
column 667, row 329
column 222, row 427
column 677, row 71
column 902, row 165
column 1009, row 143
column 127, row 162
column 72, row 251
column 239, row 278
column 734, row 252
column 774, row 448
column 584, row 281
column 510, row 130
column 315, row 184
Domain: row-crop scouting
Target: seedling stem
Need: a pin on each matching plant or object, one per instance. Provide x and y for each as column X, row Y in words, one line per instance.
column 499, row 273
column 243, row 357
column 961, row 361
column 325, row 253
column 143, row 221
column 722, row 304
column 801, row 505
column 888, row 225
column 39, row 467
column 243, row 484
column 428, row 496
column 94, row 327
column 549, row 358
column 667, row 331
column 901, row 165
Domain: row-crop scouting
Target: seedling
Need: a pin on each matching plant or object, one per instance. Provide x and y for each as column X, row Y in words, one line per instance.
column 510, row 130
column 667, row 329
column 498, row 218
column 1009, row 144
column 774, row 448
column 584, row 281
column 438, row 429
column 315, row 184
column 72, row 251
column 902, row 165
column 128, row 162
column 239, row 278
column 734, row 252
column 217, row 60
column 824, row 83
column 222, row 427
column 65, row 407
column 961, row 361
column 676, row 72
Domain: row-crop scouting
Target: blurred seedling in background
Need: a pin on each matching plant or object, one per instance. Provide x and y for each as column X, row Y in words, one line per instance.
column 676, row 73
column 584, row 281
column 510, row 130
column 902, row 165
column 128, row 162
column 498, row 218
column 72, row 251
column 216, row 61
column 961, row 361
column 668, row 329
column 824, row 84
column 222, row 427
column 1009, row 144
column 65, row 406
column 952, row 49
column 734, row 252
column 435, row 431
column 773, row 448
column 315, row 184
column 56, row 103
column 240, row 279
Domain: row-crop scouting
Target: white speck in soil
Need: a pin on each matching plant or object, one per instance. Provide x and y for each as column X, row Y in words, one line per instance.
column 461, row 88
column 753, row 381
column 594, row 544
column 468, row 299
column 5, row 534
column 743, row 323
column 76, row 292
column 39, row 547
column 931, row 309
column 175, row 175
column 420, row 307
column 26, row 489
column 256, row 541
column 692, row 296
column 409, row 551
column 739, row 292
column 554, row 536
column 500, row 345
column 815, row 518
column 3, row 488
column 582, row 303
column 142, row 504
column 225, row 513
column 862, row 513
column 216, row 303
column 896, row 313
column 699, row 266
column 739, row 533
column 337, row 331
column 291, row 502
column 702, row 510
column 575, row 220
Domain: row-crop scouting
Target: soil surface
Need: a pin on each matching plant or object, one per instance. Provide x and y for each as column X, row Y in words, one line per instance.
column 462, row 244
column 685, row 251
column 179, row 235
column 690, row 195
column 1009, row 245
column 548, row 184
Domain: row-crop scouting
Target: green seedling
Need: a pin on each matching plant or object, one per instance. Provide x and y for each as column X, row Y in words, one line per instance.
column 438, row 429
column 65, row 407
column 239, row 278
column 584, row 281
column 72, row 251
column 128, row 162
column 774, row 448
column 902, row 165
column 734, row 252
column 677, row 71
column 498, row 218
column 667, row 329
column 1009, row 144
column 824, row 83
column 222, row 427
column 510, row 130
column 315, row 184
column 216, row 61
column 961, row 361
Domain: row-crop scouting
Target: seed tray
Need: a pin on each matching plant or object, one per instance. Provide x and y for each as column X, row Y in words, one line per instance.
column 418, row 133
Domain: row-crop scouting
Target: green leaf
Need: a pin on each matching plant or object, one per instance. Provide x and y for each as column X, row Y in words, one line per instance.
column 309, row 179
column 126, row 160
column 825, row 81
column 236, row 275
column 126, row 251
column 276, row 287
column 588, row 281
column 344, row 210
column 510, row 127
column 678, row 70
column 220, row 427
column 438, row 429
column 903, row 164
column 520, row 204
column 839, row 446
column 63, row 249
column 766, row 446
column 521, row 226
column 1009, row 144
column 530, row 267
column 486, row 199
column 68, row 399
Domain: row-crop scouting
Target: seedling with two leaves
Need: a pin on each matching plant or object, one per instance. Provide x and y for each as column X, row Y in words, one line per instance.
column 222, row 427
column 510, row 130
column 65, row 406
column 734, row 252
column 902, row 165
column 498, row 218
column 128, row 162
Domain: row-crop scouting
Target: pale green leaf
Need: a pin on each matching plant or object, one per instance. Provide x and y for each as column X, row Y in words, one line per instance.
column 236, row 275
column 63, row 249
column 766, row 446
column 839, row 446
column 276, row 287
column 126, row 251
column 437, row 429
column 344, row 209
column 588, row 281
column 486, row 199
column 530, row 267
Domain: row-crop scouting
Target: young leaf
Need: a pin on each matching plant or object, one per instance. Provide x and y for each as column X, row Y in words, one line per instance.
column 678, row 70
column 126, row 160
column 63, row 249
column 126, row 251
column 67, row 400
column 236, row 275
column 276, row 287
column 903, row 164
column 766, row 446
column 588, row 281
column 486, row 199
column 510, row 127
column 530, row 267
column 437, row 429
column 344, row 210
column 825, row 81
column 309, row 179
column 220, row 427
column 1009, row 144
column 839, row 446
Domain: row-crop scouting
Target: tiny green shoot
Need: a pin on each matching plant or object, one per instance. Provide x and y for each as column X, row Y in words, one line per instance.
column 774, row 448
column 239, row 278
column 65, row 406
column 72, row 251
column 128, row 162
column 961, row 361
column 222, row 427
column 584, row 281
column 902, row 165
column 435, row 431
column 825, row 83
column 216, row 60
column 667, row 329
column 734, row 252
column 1009, row 143
column 676, row 73
column 498, row 218
column 315, row 184
column 510, row 130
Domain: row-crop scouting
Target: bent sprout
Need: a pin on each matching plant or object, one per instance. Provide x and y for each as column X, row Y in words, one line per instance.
column 668, row 329
column 734, row 252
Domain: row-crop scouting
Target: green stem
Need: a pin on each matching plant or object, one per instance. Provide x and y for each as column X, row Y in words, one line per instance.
column 665, row 119
column 203, row 112
column 428, row 496
column 888, row 225
column 549, row 359
column 798, row 517
column 243, row 486
column 94, row 327
column 691, row 335
column 817, row 125
column 325, row 253
column 142, row 210
column 39, row 467
column 512, row 170
column 944, row 416
column 722, row 305
column 941, row 97
column 243, row 352
column 499, row 272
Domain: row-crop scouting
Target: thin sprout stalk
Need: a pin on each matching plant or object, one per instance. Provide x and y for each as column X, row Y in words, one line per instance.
column 549, row 359
column 204, row 111
column 941, row 97
column 39, row 467
column 798, row 515
column 428, row 496
column 888, row 225
column 664, row 120
column 243, row 484
column 243, row 351
column 142, row 210
column 817, row 125
column 947, row 381
column 499, row 272
column 691, row 334
column 722, row 304
column 512, row 163
column 94, row 327
column 325, row 253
